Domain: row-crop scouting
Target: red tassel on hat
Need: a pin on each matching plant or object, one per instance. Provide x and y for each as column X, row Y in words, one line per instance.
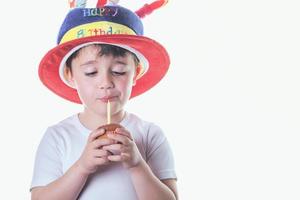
column 72, row 3
column 77, row 3
column 101, row 3
column 149, row 8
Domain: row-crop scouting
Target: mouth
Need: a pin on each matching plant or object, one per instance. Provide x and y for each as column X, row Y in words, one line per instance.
column 105, row 99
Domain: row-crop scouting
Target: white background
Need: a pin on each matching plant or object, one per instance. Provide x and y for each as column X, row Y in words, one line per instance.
column 229, row 104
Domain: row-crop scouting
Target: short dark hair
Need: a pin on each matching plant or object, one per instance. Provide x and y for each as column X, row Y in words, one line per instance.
column 106, row 49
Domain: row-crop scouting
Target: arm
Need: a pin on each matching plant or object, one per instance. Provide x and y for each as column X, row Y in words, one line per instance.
column 69, row 186
column 65, row 188
column 149, row 187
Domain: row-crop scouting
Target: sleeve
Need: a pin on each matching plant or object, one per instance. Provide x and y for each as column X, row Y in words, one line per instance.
column 48, row 162
column 159, row 154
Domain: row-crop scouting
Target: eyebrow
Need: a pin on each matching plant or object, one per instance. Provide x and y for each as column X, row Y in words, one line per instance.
column 121, row 62
column 88, row 63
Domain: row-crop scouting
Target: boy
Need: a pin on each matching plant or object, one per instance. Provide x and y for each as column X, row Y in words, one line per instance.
column 73, row 161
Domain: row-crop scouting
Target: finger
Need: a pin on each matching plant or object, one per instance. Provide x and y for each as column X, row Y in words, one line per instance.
column 125, row 156
column 119, row 158
column 96, row 133
column 101, row 161
column 124, row 132
column 115, row 158
column 119, row 138
column 114, row 147
column 98, row 143
column 101, row 153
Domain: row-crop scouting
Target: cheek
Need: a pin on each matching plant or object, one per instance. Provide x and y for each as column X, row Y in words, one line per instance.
column 85, row 91
column 126, row 87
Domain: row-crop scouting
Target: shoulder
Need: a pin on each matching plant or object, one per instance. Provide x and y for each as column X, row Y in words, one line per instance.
column 133, row 120
column 67, row 123
column 62, row 129
column 149, row 130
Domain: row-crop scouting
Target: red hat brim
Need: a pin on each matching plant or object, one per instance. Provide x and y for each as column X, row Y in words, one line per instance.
column 155, row 53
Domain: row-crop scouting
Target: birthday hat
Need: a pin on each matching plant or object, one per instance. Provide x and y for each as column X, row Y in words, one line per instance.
column 106, row 23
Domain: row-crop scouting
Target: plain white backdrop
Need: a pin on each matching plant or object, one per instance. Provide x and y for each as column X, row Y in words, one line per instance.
column 229, row 104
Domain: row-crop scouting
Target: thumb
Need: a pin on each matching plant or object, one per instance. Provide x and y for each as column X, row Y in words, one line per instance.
column 95, row 134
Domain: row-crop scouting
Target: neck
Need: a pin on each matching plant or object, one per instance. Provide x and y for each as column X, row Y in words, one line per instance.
column 93, row 120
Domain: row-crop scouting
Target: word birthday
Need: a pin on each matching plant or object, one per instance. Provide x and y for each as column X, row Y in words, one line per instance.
column 105, row 11
column 99, row 31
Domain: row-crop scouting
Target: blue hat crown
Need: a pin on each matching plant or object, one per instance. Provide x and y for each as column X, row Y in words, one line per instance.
column 109, row 16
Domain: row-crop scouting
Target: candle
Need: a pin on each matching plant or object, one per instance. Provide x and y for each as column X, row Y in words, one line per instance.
column 108, row 112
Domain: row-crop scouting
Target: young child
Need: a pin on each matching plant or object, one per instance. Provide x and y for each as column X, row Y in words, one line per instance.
column 103, row 58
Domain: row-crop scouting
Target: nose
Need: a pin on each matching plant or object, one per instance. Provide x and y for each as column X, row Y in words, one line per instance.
column 105, row 81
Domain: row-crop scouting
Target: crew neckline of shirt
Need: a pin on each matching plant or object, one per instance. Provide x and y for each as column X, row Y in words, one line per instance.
column 83, row 128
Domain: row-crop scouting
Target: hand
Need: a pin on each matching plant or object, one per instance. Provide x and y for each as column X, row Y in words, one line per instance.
column 93, row 154
column 125, row 149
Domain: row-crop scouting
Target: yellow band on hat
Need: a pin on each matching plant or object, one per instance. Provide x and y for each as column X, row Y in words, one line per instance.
column 94, row 29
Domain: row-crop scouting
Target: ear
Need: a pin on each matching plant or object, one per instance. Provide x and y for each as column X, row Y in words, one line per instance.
column 69, row 76
column 136, row 74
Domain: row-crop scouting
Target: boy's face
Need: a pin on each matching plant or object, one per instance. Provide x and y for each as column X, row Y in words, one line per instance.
column 102, row 78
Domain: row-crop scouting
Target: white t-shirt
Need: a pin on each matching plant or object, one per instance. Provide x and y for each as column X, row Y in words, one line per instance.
column 63, row 143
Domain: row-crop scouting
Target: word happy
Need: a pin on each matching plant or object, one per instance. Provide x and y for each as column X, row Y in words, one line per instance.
column 105, row 11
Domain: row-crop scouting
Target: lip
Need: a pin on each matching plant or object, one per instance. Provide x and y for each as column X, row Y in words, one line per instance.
column 105, row 99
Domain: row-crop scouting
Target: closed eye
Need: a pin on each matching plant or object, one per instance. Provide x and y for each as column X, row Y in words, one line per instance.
column 91, row 73
column 118, row 73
